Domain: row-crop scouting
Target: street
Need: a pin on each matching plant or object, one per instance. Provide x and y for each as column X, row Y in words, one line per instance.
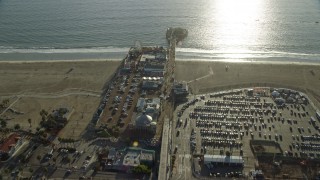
column 182, row 168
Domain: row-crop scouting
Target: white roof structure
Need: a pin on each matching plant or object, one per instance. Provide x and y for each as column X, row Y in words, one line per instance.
column 154, row 102
column 143, row 120
column 146, row 56
column 223, row 159
column 132, row 158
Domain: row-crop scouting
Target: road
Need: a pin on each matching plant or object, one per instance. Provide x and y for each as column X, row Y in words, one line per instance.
column 183, row 161
column 165, row 151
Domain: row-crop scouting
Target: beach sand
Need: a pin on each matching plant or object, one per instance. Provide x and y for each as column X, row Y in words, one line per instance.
column 206, row 77
column 32, row 86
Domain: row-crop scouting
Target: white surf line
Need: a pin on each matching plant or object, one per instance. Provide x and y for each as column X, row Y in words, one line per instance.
column 210, row 74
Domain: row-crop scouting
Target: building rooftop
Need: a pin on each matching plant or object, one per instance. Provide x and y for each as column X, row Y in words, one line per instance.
column 112, row 154
column 144, row 57
column 9, row 142
column 146, row 156
column 133, row 156
column 140, row 104
column 223, row 159
column 143, row 120
column 150, row 85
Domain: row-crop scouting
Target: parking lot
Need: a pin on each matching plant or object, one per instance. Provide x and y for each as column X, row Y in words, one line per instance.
column 225, row 122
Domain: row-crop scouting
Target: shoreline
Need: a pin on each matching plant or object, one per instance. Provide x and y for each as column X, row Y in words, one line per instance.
column 231, row 61
column 252, row 61
column 59, row 61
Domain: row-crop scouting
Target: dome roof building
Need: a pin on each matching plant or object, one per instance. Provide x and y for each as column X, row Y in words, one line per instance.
column 143, row 120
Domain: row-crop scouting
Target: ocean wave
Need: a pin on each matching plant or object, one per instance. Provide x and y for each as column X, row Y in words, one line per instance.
column 194, row 53
column 181, row 53
column 49, row 50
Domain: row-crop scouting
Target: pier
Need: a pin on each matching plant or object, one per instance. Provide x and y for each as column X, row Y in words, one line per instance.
column 166, row 146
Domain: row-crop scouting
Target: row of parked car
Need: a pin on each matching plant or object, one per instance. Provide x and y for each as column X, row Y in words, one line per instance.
column 185, row 106
column 232, row 134
column 193, row 140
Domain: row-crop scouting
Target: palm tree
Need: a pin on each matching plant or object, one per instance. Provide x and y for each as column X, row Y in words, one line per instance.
column 67, row 159
column 39, row 158
column 6, row 171
column 54, row 159
column 5, row 102
column 21, row 170
column 29, row 121
column 45, row 170
column 17, row 126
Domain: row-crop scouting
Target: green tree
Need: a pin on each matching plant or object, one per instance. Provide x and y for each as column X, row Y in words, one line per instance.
column 20, row 170
column 141, row 169
column 43, row 112
column 37, row 130
column 228, row 153
column 30, row 170
column 6, row 171
column 39, row 158
column 67, row 159
column 4, row 103
column 54, row 159
column 41, row 132
column 17, row 126
column 3, row 123
column 45, row 170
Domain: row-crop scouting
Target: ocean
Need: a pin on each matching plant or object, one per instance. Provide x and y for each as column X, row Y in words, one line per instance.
column 279, row 30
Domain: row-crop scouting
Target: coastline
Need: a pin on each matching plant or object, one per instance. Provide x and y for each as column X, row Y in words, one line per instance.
column 235, row 61
column 59, row 61
column 252, row 61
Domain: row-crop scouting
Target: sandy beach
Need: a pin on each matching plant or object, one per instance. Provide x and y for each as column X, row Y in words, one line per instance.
column 205, row 77
column 32, row 86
